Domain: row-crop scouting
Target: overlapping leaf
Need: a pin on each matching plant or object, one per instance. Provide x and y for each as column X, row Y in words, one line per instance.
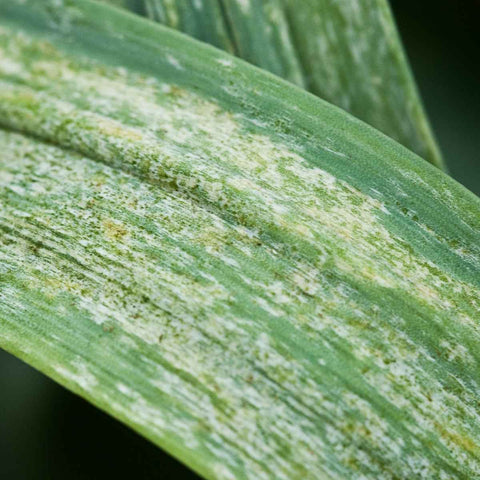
column 347, row 52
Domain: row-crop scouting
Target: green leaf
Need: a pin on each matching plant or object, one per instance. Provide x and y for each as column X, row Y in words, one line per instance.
column 347, row 52
column 253, row 279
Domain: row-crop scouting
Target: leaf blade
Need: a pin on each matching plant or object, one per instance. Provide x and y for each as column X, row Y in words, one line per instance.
column 140, row 131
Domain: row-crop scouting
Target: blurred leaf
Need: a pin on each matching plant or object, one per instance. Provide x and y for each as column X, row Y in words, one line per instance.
column 347, row 52
column 253, row 279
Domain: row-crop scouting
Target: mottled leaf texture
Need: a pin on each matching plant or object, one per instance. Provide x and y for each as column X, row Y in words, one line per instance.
column 346, row 51
column 253, row 279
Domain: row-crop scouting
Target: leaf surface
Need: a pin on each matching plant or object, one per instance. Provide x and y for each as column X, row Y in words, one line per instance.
column 253, row 279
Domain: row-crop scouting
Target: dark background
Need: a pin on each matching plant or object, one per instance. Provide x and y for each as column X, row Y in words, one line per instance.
column 442, row 40
column 48, row 433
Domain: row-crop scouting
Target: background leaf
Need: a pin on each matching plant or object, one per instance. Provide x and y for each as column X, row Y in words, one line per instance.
column 347, row 52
